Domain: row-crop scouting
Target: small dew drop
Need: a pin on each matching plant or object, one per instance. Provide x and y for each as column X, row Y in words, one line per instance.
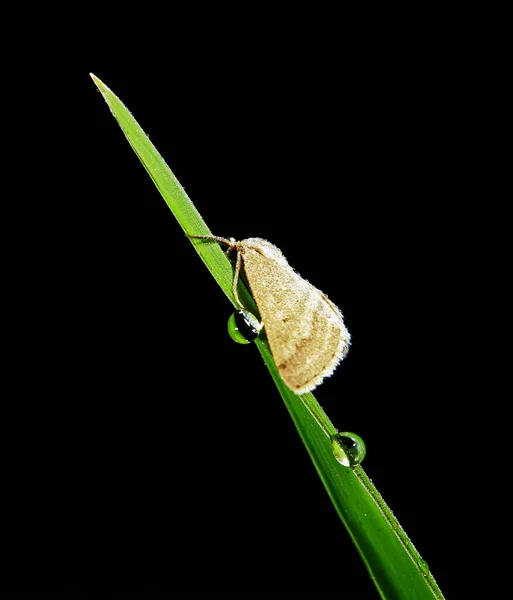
column 424, row 567
column 243, row 327
column 348, row 448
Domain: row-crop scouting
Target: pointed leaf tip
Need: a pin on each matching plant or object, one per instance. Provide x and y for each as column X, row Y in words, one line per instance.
column 99, row 83
column 101, row 86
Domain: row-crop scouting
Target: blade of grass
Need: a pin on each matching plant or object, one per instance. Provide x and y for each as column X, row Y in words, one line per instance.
column 393, row 563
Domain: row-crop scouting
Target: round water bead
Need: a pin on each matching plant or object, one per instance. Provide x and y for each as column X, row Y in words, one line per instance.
column 424, row 567
column 244, row 327
column 348, row 448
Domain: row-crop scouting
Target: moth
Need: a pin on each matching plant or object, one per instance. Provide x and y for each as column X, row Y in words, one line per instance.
column 305, row 330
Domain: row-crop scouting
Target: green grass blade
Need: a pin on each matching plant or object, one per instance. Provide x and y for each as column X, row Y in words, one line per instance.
column 394, row 565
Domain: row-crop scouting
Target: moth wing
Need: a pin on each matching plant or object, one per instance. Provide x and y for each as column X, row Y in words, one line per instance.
column 305, row 330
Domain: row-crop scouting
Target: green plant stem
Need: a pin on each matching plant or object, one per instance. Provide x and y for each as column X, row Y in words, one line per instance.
column 394, row 565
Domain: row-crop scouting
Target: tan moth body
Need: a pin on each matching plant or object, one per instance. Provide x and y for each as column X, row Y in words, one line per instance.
column 305, row 330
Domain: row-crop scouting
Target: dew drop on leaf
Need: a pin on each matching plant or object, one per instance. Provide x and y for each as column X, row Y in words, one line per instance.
column 243, row 327
column 424, row 567
column 348, row 448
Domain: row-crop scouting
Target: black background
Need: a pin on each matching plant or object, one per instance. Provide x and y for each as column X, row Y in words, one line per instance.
column 347, row 145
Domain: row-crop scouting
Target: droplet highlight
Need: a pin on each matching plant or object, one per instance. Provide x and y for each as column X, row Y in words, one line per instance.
column 348, row 448
column 244, row 327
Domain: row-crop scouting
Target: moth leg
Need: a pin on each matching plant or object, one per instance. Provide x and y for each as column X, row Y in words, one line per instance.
column 236, row 278
column 231, row 243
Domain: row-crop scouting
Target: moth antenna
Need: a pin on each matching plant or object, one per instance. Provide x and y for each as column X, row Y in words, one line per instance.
column 231, row 244
column 214, row 238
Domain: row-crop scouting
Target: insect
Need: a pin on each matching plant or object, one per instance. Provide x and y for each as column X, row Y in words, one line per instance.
column 305, row 330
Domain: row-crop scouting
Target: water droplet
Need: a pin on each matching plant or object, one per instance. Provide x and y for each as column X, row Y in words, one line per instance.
column 348, row 448
column 424, row 567
column 244, row 327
